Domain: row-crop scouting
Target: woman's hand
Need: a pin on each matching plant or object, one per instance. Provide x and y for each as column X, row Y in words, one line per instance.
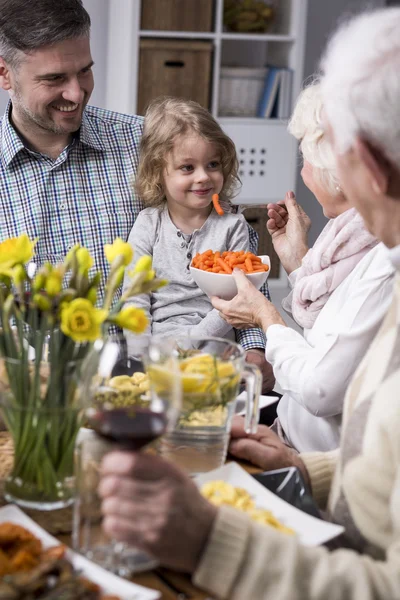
column 288, row 225
column 263, row 449
column 149, row 503
column 249, row 308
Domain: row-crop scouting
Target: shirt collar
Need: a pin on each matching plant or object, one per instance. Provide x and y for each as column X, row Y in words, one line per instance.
column 88, row 134
column 11, row 143
column 394, row 256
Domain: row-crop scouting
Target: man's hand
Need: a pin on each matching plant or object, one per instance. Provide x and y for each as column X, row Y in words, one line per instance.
column 263, row 449
column 256, row 356
column 149, row 503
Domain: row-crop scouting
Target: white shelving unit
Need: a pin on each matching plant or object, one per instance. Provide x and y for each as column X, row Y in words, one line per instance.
column 267, row 153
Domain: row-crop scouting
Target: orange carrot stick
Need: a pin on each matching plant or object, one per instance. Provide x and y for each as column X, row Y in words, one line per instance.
column 249, row 265
column 215, row 200
column 224, row 266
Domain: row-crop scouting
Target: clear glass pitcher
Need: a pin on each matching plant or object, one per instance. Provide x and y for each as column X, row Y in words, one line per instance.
column 211, row 371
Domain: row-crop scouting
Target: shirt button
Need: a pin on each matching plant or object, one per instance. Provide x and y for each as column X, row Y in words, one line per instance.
column 189, row 255
column 179, row 234
column 62, row 206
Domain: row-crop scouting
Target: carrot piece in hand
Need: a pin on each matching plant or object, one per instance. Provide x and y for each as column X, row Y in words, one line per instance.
column 215, row 200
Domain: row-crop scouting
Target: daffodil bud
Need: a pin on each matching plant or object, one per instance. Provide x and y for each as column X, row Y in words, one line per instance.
column 150, row 275
column 118, row 277
column 72, row 253
column 14, row 251
column 85, row 261
column 38, row 282
column 143, row 264
column 95, row 281
column 19, row 274
column 92, row 295
column 42, row 302
column 118, row 249
column 132, row 318
column 53, row 284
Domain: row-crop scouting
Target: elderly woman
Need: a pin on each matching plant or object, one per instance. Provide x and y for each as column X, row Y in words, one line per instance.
column 341, row 289
column 149, row 502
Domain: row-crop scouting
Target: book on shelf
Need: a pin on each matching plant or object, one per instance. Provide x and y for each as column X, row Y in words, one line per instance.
column 275, row 97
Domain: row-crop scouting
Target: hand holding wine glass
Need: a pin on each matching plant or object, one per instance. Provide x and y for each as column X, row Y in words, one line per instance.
column 124, row 409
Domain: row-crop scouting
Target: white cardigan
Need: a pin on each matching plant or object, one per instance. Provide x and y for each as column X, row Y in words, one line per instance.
column 314, row 370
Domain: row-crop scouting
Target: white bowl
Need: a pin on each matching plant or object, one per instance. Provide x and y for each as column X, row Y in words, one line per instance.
column 224, row 286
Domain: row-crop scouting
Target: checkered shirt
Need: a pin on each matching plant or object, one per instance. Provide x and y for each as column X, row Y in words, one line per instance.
column 85, row 196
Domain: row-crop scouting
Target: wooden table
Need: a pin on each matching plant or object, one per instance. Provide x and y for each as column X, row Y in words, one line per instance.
column 172, row 585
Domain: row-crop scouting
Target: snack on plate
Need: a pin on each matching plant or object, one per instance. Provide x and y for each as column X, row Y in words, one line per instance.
column 223, row 493
column 124, row 390
column 225, row 262
column 28, row 572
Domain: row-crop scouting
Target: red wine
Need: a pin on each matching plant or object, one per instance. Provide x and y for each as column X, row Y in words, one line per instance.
column 129, row 426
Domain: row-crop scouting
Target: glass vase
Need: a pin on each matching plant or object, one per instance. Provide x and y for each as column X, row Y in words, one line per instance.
column 40, row 406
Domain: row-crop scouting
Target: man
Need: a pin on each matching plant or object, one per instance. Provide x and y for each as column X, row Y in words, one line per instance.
column 67, row 168
column 155, row 506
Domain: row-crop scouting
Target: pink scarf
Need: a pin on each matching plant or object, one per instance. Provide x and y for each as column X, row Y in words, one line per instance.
column 339, row 248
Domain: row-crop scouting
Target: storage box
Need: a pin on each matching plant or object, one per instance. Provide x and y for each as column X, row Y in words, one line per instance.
column 177, row 15
column 240, row 90
column 174, row 68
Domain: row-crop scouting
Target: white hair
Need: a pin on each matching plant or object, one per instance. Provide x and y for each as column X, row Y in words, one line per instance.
column 361, row 83
column 306, row 125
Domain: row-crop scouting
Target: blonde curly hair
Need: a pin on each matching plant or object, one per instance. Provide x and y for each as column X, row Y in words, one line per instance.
column 166, row 119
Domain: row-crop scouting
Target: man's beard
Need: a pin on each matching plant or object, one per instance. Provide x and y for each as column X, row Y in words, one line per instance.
column 28, row 117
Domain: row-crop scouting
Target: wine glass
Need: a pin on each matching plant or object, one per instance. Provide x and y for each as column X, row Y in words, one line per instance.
column 126, row 408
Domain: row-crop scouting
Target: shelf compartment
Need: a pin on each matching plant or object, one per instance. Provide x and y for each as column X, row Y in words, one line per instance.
column 267, row 155
column 166, row 67
column 177, row 15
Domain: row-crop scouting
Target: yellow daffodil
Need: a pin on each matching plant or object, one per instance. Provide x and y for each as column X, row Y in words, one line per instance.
column 117, row 249
column 85, row 261
column 81, row 321
column 132, row 318
column 53, row 283
column 18, row 274
column 143, row 264
column 42, row 302
column 39, row 281
column 18, row 250
column 92, row 295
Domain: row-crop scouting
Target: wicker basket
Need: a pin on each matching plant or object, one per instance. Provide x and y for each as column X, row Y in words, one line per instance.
column 240, row 91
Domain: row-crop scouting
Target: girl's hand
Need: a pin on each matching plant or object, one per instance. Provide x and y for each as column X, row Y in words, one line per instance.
column 249, row 308
column 288, row 225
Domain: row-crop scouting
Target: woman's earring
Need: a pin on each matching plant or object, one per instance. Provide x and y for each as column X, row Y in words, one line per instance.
column 338, row 189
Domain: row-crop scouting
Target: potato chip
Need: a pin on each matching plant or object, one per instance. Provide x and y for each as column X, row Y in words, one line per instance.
column 222, row 493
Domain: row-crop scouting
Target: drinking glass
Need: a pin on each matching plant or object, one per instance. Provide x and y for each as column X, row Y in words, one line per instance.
column 211, row 371
column 124, row 410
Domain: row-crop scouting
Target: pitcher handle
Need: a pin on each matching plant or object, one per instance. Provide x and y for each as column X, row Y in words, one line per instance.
column 253, row 381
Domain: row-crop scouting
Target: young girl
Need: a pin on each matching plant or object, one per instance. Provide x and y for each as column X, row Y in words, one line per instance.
column 185, row 158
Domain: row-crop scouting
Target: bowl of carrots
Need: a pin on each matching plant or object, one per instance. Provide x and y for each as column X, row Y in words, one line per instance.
column 212, row 271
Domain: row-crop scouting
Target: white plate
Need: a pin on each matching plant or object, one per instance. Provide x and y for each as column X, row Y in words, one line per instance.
column 109, row 583
column 310, row 531
column 263, row 402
